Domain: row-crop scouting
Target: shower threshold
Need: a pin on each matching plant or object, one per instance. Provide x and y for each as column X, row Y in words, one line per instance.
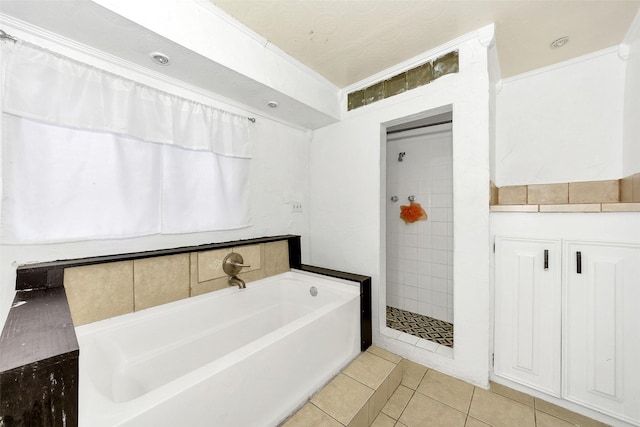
column 415, row 324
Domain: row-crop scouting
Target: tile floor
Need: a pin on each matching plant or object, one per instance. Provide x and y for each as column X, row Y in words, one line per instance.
column 418, row 396
column 415, row 324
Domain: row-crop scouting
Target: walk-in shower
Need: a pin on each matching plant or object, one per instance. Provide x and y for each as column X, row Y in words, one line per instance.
column 419, row 203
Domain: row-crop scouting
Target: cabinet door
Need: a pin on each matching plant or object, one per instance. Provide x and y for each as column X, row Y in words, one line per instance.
column 527, row 312
column 601, row 344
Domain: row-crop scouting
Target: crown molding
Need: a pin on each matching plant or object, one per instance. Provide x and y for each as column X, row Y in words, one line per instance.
column 563, row 64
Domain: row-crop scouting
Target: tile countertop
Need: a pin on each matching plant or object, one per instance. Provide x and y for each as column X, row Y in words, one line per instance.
column 573, row 207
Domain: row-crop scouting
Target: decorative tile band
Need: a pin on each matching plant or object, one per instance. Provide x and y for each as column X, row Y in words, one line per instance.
column 618, row 195
column 411, row 79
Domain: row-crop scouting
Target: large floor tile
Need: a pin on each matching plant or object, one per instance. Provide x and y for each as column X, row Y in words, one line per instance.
column 383, row 420
column 397, row 402
column 500, row 411
column 412, row 374
column 448, row 390
column 310, row 415
column 381, row 352
column 343, row 398
column 511, row 393
column 369, row 369
column 423, row 411
column 565, row 414
column 546, row 420
column 472, row 422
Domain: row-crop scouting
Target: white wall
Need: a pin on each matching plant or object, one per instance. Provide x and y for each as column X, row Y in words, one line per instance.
column 348, row 210
column 631, row 125
column 279, row 173
column 562, row 123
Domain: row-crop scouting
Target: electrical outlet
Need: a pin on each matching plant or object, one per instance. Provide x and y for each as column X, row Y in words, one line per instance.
column 296, row 206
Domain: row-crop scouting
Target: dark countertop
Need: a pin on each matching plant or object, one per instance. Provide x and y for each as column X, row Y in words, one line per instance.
column 38, row 327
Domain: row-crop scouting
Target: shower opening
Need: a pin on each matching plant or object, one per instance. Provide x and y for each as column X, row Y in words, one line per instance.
column 419, row 227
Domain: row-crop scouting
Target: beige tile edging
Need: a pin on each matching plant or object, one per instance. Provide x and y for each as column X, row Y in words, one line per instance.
column 617, row 195
column 574, row 207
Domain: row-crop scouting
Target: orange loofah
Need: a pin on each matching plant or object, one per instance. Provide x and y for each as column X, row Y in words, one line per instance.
column 412, row 213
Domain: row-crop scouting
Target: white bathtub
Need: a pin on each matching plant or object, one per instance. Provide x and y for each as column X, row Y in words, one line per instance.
column 236, row 358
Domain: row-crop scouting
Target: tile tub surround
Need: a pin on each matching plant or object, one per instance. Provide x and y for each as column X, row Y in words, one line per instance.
column 43, row 284
column 100, row 291
column 39, row 352
column 425, row 398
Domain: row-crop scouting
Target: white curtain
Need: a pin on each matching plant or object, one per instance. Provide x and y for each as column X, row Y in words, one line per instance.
column 87, row 154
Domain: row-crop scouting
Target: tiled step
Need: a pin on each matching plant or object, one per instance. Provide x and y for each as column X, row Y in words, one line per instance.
column 421, row 397
column 355, row 397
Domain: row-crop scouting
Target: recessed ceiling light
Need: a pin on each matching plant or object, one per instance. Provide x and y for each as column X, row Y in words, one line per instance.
column 160, row 58
column 559, row 42
column 273, row 104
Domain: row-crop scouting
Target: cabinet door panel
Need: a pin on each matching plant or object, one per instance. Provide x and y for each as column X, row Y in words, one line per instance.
column 527, row 313
column 602, row 317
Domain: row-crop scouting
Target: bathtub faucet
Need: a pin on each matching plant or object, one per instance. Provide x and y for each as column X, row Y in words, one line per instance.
column 235, row 281
column 232, row 264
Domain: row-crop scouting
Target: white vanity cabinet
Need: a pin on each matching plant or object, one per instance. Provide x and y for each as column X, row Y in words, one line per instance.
column 601, row 334
column 567, row 321
column 527, row 315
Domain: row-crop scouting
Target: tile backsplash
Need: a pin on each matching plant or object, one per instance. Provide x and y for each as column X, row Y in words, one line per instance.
column 159, row 280
column 100, row 291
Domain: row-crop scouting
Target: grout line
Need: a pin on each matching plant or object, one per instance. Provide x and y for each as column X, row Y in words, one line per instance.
column 133, row 283
column 329, row 415
column 446, row 404
column 413, row 392
column 473, row 394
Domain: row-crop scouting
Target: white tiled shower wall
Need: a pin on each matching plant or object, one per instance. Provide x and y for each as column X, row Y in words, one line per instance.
column 420, row 255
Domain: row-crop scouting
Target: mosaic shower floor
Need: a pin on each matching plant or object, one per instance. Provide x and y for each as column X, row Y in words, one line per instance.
column 421, row 326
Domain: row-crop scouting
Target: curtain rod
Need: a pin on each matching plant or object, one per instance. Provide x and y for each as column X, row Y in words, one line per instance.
column 419, row 127
column 8, row 37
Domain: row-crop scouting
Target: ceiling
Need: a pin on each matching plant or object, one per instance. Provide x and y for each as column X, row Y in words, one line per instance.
column 345, row 41
column 349, row 40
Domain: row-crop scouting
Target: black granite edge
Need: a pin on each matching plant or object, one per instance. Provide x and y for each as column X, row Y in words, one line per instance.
column 42, row 393
column 51, row 274
column 366, row 330
column 38, row 328
column 366, row 334
column 43, row 363
column 334, row 273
